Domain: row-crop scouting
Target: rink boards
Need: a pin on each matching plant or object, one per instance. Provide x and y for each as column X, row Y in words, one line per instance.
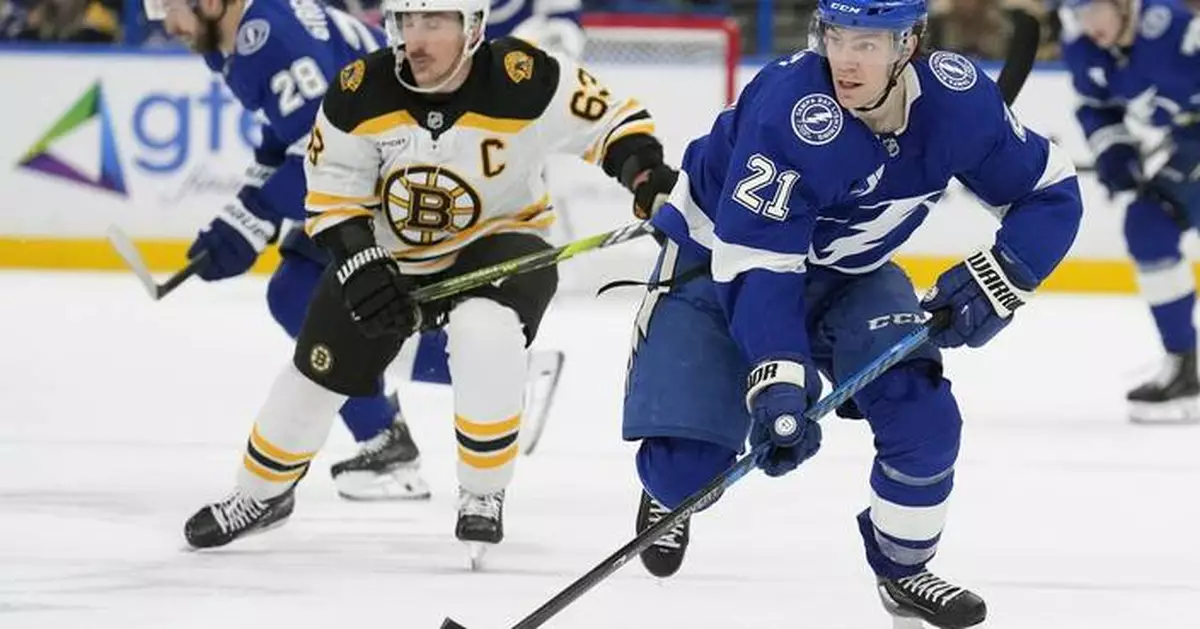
column 153, row 142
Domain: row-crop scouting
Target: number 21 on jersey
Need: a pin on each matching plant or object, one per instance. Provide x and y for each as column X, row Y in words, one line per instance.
column 763, row 173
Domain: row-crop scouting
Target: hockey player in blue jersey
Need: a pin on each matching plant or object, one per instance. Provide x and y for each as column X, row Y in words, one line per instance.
column 1116, row 50
column 278, row 58
column 777, row 265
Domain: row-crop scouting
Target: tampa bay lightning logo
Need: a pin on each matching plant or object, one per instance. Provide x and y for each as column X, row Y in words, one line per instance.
column 953, row 70
column 252, row 36
column 817, row 119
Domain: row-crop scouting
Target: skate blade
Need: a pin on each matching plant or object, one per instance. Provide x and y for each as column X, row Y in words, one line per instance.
column 907, row 622
column 476, row 551
column 1175, row 412
column 403, row 483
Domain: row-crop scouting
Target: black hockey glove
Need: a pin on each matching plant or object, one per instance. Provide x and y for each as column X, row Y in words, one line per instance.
column 651, row 187
column 373, row 289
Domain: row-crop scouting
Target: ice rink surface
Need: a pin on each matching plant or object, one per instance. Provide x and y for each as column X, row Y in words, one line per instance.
column 119, row 417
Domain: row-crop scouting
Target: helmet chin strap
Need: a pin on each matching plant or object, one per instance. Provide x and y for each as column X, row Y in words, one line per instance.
column 897, row 68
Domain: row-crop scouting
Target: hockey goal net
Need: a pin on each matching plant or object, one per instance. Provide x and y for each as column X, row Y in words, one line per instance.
column 706, row 47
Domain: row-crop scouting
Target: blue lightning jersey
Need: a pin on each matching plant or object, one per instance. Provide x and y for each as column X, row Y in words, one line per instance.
column 286, row 54
column 507, row 15
column 1164, row 57
column 787, row 179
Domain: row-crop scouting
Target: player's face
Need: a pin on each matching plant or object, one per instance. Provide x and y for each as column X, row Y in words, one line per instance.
column 198, row 28
column 1101, row 21
column 433, row 44
column 861, row 61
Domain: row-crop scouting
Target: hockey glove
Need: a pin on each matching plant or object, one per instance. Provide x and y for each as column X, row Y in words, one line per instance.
column 777, row 394
column 235, row 238
column 1119, row 168
column 980, row 294
column 373, row 289
column 651, row 187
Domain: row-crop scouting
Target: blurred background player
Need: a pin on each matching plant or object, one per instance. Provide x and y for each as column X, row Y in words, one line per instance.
column 781, row 232
column 553, row 25
column 278, row 59
column 1116, row 50
column 424, row 163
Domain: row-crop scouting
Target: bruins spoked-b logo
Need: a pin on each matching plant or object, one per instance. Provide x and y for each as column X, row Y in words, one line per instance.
column 427, row 205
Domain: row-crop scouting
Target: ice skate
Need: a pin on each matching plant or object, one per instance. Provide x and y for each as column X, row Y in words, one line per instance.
column 545, row 368
column 1172, row 396
column 387, row 467
column 235, row 516
column 480, row 523
column 665, row 556
column 926, row 597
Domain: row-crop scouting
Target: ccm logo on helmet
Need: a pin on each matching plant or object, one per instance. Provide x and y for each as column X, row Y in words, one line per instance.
column 845, row 8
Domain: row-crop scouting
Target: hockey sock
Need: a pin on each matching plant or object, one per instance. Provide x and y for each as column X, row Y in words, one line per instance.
column 291, row 426
column 488, row 363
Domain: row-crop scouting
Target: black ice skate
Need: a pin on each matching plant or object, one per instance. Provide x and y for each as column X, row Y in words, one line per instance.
column 1171, row 396
column 238, row 514
column 480, row 523
column 665, row 556
column 925, row 596
column 386, row 468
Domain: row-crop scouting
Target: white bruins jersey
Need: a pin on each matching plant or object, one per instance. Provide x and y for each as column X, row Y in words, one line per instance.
column 437, row 175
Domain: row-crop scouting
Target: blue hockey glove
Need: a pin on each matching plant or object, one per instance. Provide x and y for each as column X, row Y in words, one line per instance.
column 778, row 392
column 980, row 294
column 233, row 240
column 1119, row 168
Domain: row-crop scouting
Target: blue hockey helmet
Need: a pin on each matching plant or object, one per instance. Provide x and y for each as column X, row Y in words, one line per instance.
column 891, row 15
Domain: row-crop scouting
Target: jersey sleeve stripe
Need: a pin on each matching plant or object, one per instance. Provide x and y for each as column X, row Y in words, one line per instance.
column 730, row 260
column 328, row 218
column 1058, row 168
column 700, row 227
column 314, row 198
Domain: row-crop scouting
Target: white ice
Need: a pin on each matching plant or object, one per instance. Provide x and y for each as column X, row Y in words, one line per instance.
column 119, row 417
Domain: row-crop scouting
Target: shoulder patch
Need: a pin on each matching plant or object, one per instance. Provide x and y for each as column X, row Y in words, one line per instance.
column 1155, row 21
column 817, row 119
column 953, row 70
column 518, row 65
column 252, row 36
column 351, row 76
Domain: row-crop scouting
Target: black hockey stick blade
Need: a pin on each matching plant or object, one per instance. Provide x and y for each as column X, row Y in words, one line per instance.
column 718, row 485
column 125, row 248
column 1022, row 52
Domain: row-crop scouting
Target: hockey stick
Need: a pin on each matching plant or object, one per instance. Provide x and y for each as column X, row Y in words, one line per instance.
column 125, row 248
column 531, row 262
column 714, row 489
column 1021, row 54
column 440, row 290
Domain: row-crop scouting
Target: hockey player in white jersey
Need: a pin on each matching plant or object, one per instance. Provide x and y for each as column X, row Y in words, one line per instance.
column 424, row 164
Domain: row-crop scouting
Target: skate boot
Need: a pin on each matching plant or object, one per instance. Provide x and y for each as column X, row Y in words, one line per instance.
column 480, row 523
column 665, row 556
column 545, row 368
column 1171, row 396
column 387, row 467
column 925, row 596
column 236, row 515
